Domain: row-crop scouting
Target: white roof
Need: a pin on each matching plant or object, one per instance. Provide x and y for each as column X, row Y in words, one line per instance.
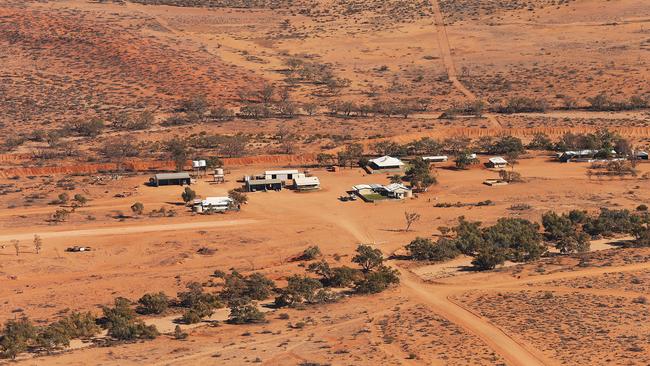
column 498, row 160
column 438, row 157
column 360, row 187
column 280, row 172
column 387, row 161
column 393, row 187
column 306, row 181
column 216, row 201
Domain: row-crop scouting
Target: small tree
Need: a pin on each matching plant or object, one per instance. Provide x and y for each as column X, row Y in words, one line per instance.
column 60, row 215
column 368, row 257
column 244, row 313
column 16, row 245
column 80, row 199
column 179, row 334
column 312, row 252
column 63, row 198
column 411, row 218
column 38, row 244
column 137, row 208
column 188, row 195
column 238, row 197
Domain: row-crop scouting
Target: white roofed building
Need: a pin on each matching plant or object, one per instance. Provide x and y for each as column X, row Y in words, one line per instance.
column 386, row 164
column 281, row 174
column 303, row 183
column 497, row 162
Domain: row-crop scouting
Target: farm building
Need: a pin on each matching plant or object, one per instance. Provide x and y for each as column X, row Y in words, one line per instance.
column 254, row 184
column 213, row 204
column 280, row 174
column 386, row 164
column 376, row 192
column 170, row 179
column 436, row 159
column 497, row 162
column 641, row 155
column 302, row 183
column 397, row 191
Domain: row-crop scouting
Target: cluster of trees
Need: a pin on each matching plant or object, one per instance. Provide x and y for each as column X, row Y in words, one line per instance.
column 19, row 335
column 520, row 240
column 522, row 105
column 301, row 70
column 603, row 141
column 197, row 109
column 387, row 108
column 604, row 102
column 513, row 239
column 373, row 276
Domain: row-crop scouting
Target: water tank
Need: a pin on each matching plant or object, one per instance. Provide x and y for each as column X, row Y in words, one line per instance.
column 202, row 164
column 218, row 171
column 195, row 164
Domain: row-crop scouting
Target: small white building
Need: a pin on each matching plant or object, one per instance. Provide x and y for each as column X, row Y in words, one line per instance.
column 497, row 162
column 213, row 204
column 281, row 174
column 303, row 183
column 436, row 159
column 386, row 164
column 398, row 191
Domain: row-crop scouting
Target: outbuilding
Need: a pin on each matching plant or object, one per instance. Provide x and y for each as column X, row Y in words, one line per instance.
column 214, row 204
column 436, row 159
column 170, row 179
column 254, row 184
column 280, row 174
column 497, row 162
column 641, row 155
column 386, row 164
column 398, row 191
column 302, row 183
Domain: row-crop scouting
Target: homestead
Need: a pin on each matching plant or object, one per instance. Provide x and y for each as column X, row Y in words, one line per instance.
column 377, row 192
column 302, row 183
column 497, row 162
column 385, row 164
column 170, row 179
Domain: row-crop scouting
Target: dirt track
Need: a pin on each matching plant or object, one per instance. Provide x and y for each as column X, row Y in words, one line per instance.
column 116, row 230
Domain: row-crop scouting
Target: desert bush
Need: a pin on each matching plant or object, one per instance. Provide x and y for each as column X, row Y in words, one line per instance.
column 368, row 258
column 154, row 303
column 16, row 337
column 312, row 252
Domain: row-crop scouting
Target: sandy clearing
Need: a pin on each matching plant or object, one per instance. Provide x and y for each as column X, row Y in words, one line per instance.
column 128, row 229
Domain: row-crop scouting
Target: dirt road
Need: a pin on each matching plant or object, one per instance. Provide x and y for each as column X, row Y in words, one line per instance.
column 131, row 229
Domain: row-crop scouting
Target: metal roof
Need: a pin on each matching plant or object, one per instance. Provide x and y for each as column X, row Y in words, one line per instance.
column 387, row 161
column 393, row 187
column 306, row 181
column 263, row 181
column 164, row 176
column 498, row 160
column 280, row 172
